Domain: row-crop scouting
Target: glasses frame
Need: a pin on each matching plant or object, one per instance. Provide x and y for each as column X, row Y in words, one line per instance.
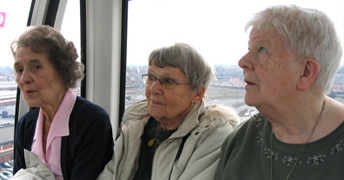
column 145, row 78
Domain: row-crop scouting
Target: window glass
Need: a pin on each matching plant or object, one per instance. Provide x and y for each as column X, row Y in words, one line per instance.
column 13, row 20
column 216, row 30
column 70, row 28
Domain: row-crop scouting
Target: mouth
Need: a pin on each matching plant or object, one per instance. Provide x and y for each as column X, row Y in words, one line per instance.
column 29, row 91
column 156, row 102
column 248, row 82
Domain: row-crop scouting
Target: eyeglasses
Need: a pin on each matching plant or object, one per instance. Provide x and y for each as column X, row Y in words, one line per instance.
column 167, row 83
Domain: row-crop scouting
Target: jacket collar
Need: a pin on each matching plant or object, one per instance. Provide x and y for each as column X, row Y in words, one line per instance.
column 191, row 121
column 139, row 112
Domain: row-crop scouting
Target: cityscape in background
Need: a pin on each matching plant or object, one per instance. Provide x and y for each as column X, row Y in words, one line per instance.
column 228, row 89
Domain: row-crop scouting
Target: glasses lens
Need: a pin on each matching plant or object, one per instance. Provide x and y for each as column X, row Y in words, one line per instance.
column 168, row 83
column 145, row 78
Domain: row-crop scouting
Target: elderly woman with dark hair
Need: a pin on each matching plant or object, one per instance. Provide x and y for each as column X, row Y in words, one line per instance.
column 172, row 134
column 68, row 133
column 293, row 56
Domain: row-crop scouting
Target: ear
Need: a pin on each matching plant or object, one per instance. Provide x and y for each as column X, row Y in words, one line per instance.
column 310, row 71
column 200, row 94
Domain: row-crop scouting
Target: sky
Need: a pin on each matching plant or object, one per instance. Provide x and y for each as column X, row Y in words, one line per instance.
column 214, row 27
column 14, row 23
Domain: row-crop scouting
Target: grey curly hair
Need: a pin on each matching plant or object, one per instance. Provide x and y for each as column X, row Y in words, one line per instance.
column 60, row 52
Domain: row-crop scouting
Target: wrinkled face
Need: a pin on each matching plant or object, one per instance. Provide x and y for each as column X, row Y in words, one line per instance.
column 269, row 70
column 37, row 78
column 169, row 104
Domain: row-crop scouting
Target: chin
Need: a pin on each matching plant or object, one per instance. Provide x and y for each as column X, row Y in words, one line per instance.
column 158, row 117
column 156, row 113
column 250, row 101
column 32, row 103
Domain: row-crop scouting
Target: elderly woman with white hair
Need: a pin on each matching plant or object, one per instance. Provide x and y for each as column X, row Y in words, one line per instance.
column 172, row 134
column 293, row 56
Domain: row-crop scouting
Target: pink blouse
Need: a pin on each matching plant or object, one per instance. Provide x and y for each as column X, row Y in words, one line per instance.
column 58, row 129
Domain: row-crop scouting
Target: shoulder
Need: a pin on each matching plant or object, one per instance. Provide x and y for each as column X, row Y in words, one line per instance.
column 29, row 118
column 221, row 113
column 256, row 123
column 26, row 128
column 136, row 111
column 215, row 122
column 249, row 129
column 86, row 112
column 87, row 108
column 31, row 114
column 82, row 103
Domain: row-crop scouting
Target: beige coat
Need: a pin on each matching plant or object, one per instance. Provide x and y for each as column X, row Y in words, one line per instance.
column 208, row 127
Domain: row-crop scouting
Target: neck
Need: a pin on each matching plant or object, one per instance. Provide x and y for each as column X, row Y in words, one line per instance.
column 51, row 107
column 170, row 125
column 296, row 129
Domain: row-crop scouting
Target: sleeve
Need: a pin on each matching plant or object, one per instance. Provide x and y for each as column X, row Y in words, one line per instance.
column 223, row 157
column 92, row 146
column 23, row 137
column 226, row 150
column 108, row 172
column 19, row 160
column 205, row 158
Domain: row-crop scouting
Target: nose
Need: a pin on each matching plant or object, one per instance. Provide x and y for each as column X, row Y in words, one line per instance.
column 25, row 77
column 156, row 86
column 245, row 62
column 155, row 83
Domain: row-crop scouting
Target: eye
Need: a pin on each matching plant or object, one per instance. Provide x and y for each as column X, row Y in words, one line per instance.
column 19, row 70
column 168, row 81
column 262, row 49
column 37, row 67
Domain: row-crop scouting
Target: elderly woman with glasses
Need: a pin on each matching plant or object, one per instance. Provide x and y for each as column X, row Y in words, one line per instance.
column 172, row 134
